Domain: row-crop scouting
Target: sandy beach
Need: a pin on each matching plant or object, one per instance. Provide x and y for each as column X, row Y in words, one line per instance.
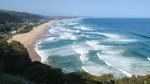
column 28, row 39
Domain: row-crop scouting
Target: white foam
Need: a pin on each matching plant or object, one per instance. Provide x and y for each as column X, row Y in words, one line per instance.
column 64, row 33
column 83, row 53
column 121, row 40
column 102, row 57
column 61, row 51
column 74, row 38
column 62, row 30
column 96, row 45
column 97, row 69
column 85, row 28
column 51, row 39
column 113, row 52
column 65, row 51
column 39, row 42
column 42, row 54
column 148, row 58
column 77, row 27
column 65, row 36
column 73, row 23
column 126, row 73
column 68, row 36
column 93, row 69
column 77, row 31
column 93, row 44
column 71, row 31
column 91, row 33
column 116, row 38
column 84, row 58
column 83, row 50
column 80, row 49
column 83, row 35
column 103, row 47
column 126, row 64
column 58, row 24
column 112, row 36
column 53, row 31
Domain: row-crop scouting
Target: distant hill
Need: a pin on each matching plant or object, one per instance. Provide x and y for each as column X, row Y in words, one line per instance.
column 18, row 21
column 13, row 16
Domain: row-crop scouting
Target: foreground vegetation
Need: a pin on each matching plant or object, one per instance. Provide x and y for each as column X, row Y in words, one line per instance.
column 16, row 67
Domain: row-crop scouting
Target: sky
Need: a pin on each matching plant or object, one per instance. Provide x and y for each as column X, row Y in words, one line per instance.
column 95, row 8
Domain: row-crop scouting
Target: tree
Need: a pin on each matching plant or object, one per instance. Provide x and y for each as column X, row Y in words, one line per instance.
column 45, row 74
column 14, row 57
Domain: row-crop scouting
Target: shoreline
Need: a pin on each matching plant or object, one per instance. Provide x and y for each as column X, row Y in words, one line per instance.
column 29, row 39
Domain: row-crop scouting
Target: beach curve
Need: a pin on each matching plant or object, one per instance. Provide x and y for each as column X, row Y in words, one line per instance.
column 29, row 39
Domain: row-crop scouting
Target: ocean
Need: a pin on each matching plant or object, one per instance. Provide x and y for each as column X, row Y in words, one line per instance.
column 120, row 46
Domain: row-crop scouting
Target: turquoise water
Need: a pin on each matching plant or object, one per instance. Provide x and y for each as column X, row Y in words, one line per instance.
column 98, row 46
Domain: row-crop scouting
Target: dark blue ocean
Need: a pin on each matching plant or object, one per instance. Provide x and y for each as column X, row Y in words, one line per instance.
column 98, row 46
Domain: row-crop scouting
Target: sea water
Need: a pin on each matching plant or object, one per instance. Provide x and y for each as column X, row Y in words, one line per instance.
column 98, row 46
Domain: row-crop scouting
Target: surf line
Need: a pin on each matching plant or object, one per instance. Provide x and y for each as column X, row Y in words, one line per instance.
column 126, row 73
column 148, row 58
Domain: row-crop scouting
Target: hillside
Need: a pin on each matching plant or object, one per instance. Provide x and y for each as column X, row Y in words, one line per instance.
column 15, row 17
column 12, row 22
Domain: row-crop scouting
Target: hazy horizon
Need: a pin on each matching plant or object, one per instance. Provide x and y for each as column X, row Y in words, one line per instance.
column 95, row 8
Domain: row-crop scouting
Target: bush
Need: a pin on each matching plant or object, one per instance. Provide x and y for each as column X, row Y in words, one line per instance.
column 14, row 57
column 86, row 78
column 45, row 74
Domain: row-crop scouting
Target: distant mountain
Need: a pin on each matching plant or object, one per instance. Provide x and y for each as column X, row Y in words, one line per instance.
column 13, row 16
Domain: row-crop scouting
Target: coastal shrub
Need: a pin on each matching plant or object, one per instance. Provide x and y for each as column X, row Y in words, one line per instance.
column 86, row 78
column 1, row 68
column 80, row 78
column 36, row 63
column 134, row 80
column 10, row 79
column 45, row 74
column 14, row 57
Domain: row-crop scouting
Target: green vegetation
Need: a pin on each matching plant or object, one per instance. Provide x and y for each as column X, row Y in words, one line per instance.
column 17, row 68
column 14, row 57
column 45, row 74
column 85, row 78
column 135, row 80
column 14, row 60
column 10, row 79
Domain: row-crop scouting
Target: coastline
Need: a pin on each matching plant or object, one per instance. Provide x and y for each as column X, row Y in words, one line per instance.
column 29, row 39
